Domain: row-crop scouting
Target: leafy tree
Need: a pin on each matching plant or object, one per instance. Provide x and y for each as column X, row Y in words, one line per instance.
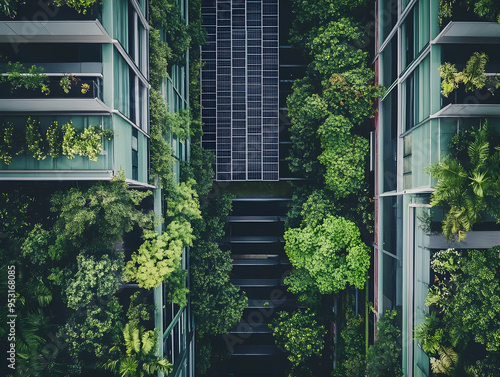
column 139, row 309
column 299, row 335
column 331, row 252
column 307, row 112
column 176, row 290
column 336, row 48
column 92, row 331
column 311, row 17
column 384, row 356
column 300, row 282
column 199, row 168
column 343, row 155
column 136, row 356
column 183, row 202
column 217, row 304
column 468, row 185
column 37, row 245
column 351, row 348
column 159, row 255
column 95, row 218
column 95, row 277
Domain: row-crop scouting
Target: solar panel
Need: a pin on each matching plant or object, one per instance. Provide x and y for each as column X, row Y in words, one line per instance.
column 240, row 88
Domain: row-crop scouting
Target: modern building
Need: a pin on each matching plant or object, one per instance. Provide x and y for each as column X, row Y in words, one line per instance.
column 240, row 84
column 412, row 130
column 104, row 54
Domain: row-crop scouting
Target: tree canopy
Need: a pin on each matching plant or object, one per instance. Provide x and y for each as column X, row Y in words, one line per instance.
column 332, row 253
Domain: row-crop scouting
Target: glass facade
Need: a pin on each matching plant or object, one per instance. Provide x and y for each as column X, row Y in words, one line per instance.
column 108, row 53
column 240, row 84
column 413, row 127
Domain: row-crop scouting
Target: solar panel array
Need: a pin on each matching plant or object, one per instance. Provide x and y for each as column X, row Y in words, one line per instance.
column 239, row 81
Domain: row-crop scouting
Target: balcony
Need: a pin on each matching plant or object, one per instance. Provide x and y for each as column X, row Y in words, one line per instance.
column 18, row 32
column 80, row 88
column 469, row 32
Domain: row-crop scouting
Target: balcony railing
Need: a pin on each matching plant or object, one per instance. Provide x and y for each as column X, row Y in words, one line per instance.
column 85, row 87
column 478, row 97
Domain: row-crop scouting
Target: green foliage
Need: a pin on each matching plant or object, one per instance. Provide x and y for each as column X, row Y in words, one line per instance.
column 159, row 56
column 183, row 202
column 165, row 15
column 34, row 142
column 20, row 77
column 87, row 143
column 488, row 10
column 468, row 187
column 54, row 140
column 9, row 7
column 311, row 17
column 16, row 213
column 472, row 76
column 7, row 143
column 343, row 155
column 81, row 6
column 461, row 333
column 65, row 84
column 159, row 255
column 160, row 150
column 94, row 278
column 92, row 331
column 175, row 286
column 138, row 309
column 352, row 359
column 95, row 218
column 299, row 334
column 36, row 246
column 135, row 355
column 331, row 252
column 179, row 123
column 384, row 356
column 307, row 111
column 217, row 304
column 199, row 168
column 335, row 48
column 299, row 282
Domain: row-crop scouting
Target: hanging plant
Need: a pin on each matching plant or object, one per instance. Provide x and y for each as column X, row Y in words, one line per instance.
column 7, row 143
column 65, row 84
column 90, row 142
column 85, row 88
column 473, row 76
column 69, row 140
column 34, row 141
column 54, row 140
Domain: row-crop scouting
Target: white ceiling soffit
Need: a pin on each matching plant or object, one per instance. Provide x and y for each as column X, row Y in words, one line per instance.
column 56, row 105
column 473, row 110
column 469, row 32
column 53, row 31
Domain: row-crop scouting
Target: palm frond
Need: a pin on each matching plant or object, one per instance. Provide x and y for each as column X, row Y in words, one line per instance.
column 448, row 357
